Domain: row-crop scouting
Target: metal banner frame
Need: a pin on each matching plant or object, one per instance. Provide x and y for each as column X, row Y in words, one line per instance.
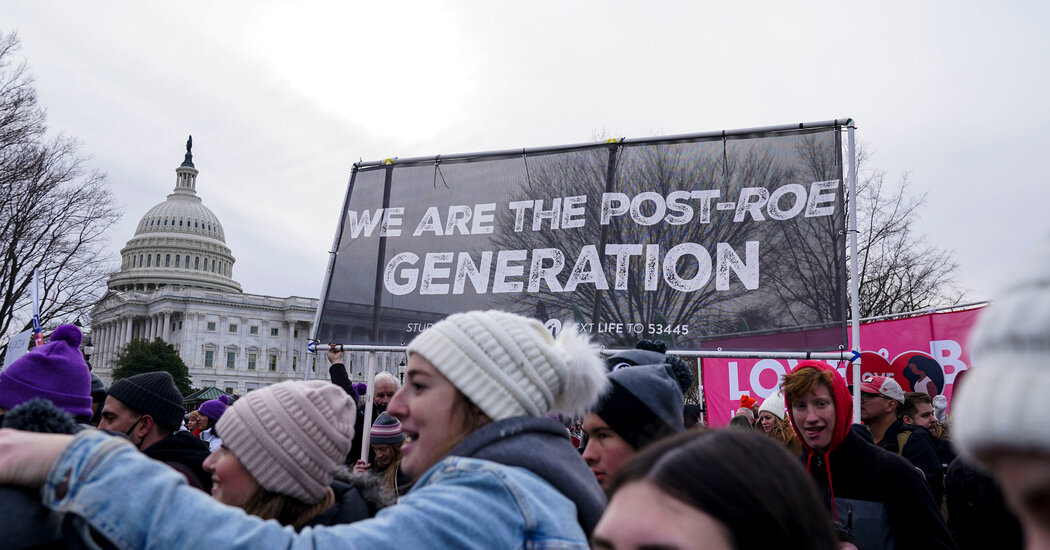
column 843, row 355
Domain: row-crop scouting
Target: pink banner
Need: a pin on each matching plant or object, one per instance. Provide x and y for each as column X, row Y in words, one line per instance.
column 922, row 353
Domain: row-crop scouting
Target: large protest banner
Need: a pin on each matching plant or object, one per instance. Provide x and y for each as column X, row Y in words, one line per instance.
column 933, row 346
column 689, row 239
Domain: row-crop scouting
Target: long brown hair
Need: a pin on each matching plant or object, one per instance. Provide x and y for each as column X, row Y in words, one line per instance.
column 285, row 509
column 784, row 434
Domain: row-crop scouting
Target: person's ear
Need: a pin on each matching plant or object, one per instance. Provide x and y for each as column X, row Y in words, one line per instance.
column 145, row 425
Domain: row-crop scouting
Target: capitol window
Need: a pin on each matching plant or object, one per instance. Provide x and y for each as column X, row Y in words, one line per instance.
column 177, row 258
column 167, row 260
column 209, row 359
column 253, row 330
column 251, row 361
column 197, row 262
column 211, row 326
column 148, row 260
column 273, row 363
column 233, row 328
column 231, row 359
column 274, row 332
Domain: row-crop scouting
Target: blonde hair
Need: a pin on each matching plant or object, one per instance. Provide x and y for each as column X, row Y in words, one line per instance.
column 782, row 432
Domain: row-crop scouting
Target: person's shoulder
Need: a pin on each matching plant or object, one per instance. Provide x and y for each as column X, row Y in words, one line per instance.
column 185, row 440
column 473, row 473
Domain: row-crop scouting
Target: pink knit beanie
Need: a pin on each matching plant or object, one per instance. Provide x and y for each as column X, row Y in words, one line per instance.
column 292, row 436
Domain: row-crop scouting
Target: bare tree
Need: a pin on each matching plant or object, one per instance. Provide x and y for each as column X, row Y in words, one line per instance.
column 664, row 168
column 54, row 211
column 900, row 270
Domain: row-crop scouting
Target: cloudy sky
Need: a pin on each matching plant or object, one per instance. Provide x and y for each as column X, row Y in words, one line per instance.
column 282, row 97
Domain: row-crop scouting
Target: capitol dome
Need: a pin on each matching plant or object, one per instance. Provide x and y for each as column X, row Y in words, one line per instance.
column 178, row 243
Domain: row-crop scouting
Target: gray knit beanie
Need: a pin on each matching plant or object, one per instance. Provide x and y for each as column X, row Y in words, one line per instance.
column 1000, row 405
column 645, row 403
column 292, row 436
column 509, row 365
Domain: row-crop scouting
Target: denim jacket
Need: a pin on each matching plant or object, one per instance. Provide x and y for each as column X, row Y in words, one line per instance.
column 458, row 503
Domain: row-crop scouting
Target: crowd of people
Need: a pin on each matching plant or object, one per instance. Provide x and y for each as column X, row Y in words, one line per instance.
column 504, row 436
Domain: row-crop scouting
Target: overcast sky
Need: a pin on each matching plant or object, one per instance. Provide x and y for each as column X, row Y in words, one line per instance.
column 282, row 97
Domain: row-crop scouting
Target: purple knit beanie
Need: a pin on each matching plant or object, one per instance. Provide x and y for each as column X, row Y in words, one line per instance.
column 214, row 408
column 55, row 371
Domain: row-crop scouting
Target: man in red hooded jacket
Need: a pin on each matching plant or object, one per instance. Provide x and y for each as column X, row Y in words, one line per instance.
column 871, row 492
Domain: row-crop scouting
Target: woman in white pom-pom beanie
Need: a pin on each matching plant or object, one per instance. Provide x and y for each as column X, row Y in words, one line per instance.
column 491, row 471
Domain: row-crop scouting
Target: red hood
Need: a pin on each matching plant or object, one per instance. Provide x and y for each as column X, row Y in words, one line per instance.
column 843, row 406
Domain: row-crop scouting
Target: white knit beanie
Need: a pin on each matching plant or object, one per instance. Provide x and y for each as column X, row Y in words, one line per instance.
column 509, row 365
column 292, row 436
column 774, row 404
column 1002, row 404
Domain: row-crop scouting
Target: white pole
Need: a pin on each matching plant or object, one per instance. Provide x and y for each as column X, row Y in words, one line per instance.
column 368, row 405
column 855, row 278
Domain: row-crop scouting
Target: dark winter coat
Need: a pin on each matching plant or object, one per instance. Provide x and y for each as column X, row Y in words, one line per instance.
column 185, row 454
column 920, row 450
column 543, row 447
column 337, row 372
column 878, row 496
column 357, row 497
column 977, row 515
column 24, row 521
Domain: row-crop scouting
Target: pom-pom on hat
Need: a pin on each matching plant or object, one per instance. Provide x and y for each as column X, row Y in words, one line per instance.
column 55, row 371
column 386, row 431
column 291, row 436
column 1002, row 405
column 152, row 393
column 509, row 365
column 645, row 403
column 214, row 408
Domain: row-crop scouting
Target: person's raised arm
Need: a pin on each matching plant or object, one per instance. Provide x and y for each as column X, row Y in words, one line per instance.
column 337, row 372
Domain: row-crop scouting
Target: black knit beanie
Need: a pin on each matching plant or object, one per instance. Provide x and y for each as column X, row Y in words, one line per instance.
column 645, row 352
column 152, row 393
column 645, row 402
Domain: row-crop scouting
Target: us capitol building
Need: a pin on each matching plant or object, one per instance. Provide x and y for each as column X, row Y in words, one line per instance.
column 176, row 283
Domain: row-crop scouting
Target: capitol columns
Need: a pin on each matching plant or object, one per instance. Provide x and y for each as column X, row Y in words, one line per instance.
column 291, row 347
column 165, row 330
